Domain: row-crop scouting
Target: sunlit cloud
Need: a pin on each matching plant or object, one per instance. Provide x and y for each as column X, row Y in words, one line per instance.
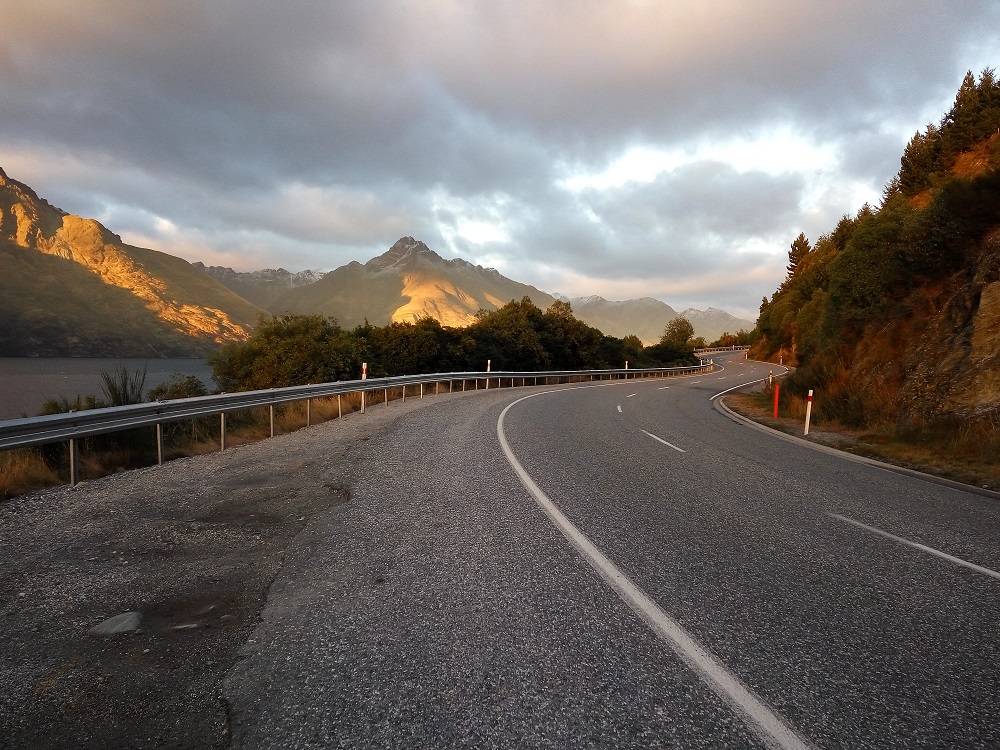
column 623, row 149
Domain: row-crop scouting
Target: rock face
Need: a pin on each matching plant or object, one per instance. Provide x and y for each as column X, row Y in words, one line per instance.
column 70, row 287
column 952, row 364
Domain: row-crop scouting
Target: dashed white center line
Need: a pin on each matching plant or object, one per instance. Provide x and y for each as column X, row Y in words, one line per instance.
column 663, row 388
column 917, row 545
column 679, row 450
column 619, row 407
column 631, row 395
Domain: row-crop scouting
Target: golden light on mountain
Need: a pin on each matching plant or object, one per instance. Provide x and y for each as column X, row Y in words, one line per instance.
column 144, row 303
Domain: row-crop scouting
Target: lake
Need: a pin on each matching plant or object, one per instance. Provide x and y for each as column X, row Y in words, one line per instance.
column 26, row 382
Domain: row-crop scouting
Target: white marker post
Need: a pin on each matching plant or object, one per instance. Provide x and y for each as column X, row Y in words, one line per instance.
column 809, row 408
column 364, row 376
column 488, row 363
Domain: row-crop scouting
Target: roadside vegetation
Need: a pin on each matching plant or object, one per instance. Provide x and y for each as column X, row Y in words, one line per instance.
column 892, row 317
column 301, row 349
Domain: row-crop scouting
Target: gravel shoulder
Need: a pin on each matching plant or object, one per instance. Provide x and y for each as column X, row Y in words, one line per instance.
column 193, row 547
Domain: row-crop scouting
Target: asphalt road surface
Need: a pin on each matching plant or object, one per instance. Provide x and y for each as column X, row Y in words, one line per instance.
column 619, row 564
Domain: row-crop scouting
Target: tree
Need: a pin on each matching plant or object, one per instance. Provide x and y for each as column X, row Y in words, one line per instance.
column 678, row 331
column 284, row 351
column 799, row 250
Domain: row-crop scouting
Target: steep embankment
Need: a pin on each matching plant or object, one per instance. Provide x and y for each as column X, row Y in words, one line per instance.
column 70, row 287
column 894, row 317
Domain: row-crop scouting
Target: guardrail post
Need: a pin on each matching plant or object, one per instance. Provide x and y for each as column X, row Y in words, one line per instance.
column 386, row 396
column 309, row 412
column 340, row 411
column 222, row 422
column 74, row 468
column 159, row 444
column 487, row 377
column 271, row 409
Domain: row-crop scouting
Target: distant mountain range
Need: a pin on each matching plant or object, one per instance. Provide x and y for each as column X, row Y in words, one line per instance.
column 70, row 287
column 410, row 281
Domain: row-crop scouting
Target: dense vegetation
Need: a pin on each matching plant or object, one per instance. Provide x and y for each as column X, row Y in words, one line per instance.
column 856, row 309
column 299, row 349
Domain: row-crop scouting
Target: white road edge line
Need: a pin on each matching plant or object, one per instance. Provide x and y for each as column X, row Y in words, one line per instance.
column 679, row 450
column 761, row 380
column 722, row 393
column 759, row 717
column 917, row 545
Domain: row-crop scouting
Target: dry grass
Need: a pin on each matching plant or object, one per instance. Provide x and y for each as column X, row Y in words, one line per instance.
column 24, row 470
column 965, row 452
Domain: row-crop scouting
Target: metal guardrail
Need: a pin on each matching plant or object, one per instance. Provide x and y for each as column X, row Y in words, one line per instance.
column 714, row 349
column 72, row 426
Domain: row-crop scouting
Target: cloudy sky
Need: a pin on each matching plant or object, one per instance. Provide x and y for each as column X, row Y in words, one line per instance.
column 626, row 148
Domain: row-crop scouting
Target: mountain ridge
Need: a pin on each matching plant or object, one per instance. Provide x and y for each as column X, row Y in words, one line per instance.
column 410, row 281
column 71, row 287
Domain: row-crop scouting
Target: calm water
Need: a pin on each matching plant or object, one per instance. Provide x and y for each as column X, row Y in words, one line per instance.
column 25, row 383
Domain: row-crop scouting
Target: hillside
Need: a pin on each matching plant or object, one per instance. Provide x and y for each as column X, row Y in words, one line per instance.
column 894, row 316
column 70, row 287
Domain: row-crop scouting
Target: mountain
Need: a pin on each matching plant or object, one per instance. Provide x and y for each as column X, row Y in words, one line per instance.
column 713, row 322
column 70, row 287
column 645, row 317
column 262, row 287
column 408, row 282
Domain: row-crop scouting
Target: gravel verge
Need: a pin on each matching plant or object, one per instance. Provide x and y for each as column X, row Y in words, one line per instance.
column 192, row 547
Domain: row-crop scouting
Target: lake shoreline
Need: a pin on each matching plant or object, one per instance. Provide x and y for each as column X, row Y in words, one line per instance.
column 26, row 383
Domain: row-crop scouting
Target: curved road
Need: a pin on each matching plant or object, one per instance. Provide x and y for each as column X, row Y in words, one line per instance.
column 621, row 565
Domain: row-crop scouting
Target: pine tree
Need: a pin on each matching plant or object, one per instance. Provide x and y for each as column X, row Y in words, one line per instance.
column 799, row 250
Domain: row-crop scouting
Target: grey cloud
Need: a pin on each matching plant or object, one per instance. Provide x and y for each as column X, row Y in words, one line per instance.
column 212, row 115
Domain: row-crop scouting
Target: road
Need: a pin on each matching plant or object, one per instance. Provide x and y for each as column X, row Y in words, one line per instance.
column 621, row 565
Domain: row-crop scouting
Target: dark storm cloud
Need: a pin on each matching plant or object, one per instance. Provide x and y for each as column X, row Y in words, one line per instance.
column 304, row 133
